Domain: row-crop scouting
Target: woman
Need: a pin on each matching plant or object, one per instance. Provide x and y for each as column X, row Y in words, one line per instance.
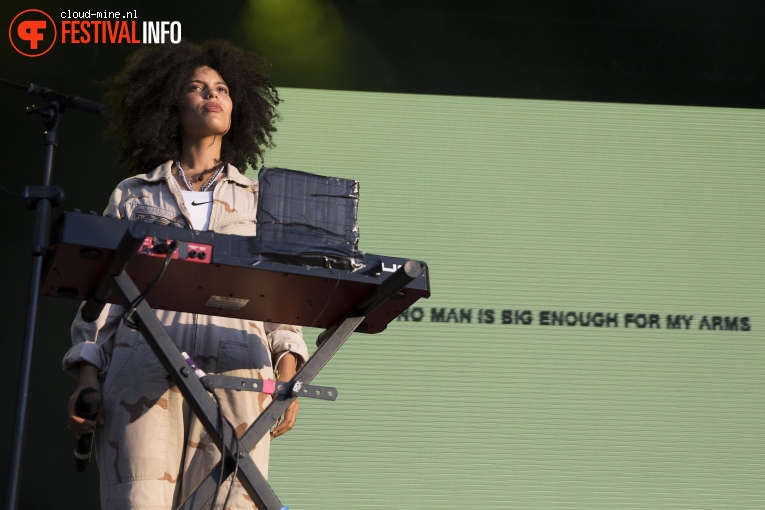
column 185, row 117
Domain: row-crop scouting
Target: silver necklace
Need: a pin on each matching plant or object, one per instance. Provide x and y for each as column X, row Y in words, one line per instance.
column 207, row 185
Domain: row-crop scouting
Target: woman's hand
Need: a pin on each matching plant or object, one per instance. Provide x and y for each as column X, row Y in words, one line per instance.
column 286, row 369
column 88, row 379
column 287, row 421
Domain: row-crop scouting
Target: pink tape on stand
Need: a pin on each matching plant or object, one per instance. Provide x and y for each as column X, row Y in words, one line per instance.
column 269, row 386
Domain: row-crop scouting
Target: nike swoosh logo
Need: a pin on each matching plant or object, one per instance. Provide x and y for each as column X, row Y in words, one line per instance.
column 193, row 202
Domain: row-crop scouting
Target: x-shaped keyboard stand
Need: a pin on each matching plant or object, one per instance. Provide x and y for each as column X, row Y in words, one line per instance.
column 195, row 389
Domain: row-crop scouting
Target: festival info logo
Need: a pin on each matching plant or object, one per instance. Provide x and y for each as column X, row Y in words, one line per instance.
column 32, row 33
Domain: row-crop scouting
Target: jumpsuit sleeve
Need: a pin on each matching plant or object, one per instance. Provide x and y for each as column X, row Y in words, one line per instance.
column 285, row 338
column 93, row 342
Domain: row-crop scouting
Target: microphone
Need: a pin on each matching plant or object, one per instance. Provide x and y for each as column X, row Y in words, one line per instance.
column 87, row 406
column 66, row 101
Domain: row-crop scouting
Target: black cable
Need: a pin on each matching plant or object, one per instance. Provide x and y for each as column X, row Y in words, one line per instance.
column 137, row 301
column 221, row 429
column 233, row 479
column 11, row 193
column 222, row 432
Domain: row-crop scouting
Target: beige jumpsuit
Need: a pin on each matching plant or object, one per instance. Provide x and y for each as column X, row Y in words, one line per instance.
column 151, row 451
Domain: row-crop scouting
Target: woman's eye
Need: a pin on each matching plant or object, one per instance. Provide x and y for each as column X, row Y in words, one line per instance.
column 223, row 89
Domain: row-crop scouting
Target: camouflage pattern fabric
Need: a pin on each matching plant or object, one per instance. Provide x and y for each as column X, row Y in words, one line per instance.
column 152, row 451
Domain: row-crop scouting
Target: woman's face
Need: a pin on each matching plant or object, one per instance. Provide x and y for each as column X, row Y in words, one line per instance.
column 205, row 109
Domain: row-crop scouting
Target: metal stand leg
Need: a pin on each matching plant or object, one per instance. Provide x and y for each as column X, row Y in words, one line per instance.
column 198, row 399
column 337, row 335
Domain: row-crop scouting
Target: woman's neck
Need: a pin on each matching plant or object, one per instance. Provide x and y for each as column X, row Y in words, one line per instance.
column 201, row 155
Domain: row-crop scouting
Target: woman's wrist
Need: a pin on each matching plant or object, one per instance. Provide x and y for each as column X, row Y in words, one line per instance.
column 88, row 375
column 286, row 366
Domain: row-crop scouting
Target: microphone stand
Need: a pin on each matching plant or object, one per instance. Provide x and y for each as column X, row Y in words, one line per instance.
column 41, row 198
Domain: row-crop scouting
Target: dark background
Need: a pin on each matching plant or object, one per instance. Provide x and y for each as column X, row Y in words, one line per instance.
column 702, row 53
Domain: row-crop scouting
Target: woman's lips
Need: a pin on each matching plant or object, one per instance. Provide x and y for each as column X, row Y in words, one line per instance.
column 212, row 107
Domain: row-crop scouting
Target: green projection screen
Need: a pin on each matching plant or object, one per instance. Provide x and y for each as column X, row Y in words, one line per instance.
column 594, row 338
